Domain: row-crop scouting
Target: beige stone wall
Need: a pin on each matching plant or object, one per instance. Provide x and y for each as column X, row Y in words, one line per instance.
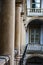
column 20, row 34
column 23, row 36
column 29, row 19
column 32, row 55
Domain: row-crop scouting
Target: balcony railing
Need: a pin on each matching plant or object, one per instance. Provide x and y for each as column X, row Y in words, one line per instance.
column 35, row 48
column 34, row 12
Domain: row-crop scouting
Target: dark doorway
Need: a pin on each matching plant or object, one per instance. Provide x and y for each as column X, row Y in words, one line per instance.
column 34, row 61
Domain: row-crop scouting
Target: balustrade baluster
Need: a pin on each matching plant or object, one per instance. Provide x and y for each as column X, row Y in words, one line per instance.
column 34, row 11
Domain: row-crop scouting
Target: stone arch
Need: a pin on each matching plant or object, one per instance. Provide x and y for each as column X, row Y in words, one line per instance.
column 31, row 22
column 34, row 60
column 35, row 21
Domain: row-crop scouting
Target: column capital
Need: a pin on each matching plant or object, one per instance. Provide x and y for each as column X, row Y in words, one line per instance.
column 18, row 4
column 19, row 1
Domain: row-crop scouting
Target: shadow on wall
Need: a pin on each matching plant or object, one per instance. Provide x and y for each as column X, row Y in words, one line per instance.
column 36, row 60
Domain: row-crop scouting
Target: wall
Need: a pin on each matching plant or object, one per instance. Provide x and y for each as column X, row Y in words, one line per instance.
column 27, row 33
column 42, row 4
column 23, row 37
column 27, row 36
column 28, row 3
column 41, row 38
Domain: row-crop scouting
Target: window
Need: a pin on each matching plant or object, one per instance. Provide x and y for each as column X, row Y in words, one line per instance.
column 34, row 7
column 35, row 3
column 34, row 35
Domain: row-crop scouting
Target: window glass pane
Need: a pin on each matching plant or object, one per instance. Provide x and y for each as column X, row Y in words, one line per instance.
column 33, row 5
column 33, row 1
column 37, row 30
column 35, row 35
column 37, row 40
column 32, row 35
column 28, row 3
column 37, row 5
column 32, row 31
column 37, row 1
column 32, row 40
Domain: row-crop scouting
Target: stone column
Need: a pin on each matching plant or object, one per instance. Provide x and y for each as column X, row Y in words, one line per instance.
column 7, row 29
column 18, row 27
column 23, row 35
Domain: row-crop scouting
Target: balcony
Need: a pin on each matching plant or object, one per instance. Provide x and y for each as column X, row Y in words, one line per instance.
column 37, row 48
column 34, row 12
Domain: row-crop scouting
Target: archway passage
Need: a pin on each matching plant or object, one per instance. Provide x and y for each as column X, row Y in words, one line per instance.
column 35, row 22
column 34, row 61
column 35, row 31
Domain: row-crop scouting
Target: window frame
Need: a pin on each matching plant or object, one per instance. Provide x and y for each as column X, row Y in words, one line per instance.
column 39, row 10
column 34, row 35
column 35, row 3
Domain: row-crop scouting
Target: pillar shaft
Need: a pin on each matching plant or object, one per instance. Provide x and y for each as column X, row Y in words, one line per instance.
column 7, row 29
column 18, row 23
column 23, row 36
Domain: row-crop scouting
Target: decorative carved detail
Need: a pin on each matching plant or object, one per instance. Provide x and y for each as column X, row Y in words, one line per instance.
column 22, row 13
column 19, row 1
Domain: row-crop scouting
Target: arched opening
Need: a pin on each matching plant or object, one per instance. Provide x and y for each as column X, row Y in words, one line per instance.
column 34, row 36
column 35, row 30
column 34, row 61
column 35, row 22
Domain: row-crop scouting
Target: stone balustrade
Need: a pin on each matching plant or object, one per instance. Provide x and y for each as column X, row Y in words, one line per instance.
column 34, row 12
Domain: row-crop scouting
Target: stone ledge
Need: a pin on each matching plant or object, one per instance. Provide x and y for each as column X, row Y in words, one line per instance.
column 4, row 60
